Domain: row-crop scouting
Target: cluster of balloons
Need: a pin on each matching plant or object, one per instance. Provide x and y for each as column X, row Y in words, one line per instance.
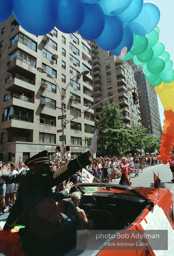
column 126, row 28
column 111, row 23
column 167, row 140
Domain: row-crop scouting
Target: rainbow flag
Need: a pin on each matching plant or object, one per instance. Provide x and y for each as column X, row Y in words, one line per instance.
column 156, row 181
column 127, row 180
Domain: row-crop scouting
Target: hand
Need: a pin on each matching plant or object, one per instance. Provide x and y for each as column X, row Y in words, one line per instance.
column 69, row 185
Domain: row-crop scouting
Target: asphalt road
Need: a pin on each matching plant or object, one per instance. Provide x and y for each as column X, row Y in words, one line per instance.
column 146, row 179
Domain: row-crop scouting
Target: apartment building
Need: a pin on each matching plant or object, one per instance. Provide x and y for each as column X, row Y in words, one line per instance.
column 148, row 102
column 40, row 75
column 114, row 77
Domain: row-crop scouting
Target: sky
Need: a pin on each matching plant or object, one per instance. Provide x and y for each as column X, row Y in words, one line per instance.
column 166, row 36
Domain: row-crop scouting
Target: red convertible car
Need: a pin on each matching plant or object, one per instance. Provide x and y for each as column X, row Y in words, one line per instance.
column 123, row 221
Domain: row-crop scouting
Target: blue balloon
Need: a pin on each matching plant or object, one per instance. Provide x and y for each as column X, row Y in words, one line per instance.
column 6, row 7
column 127, row 41
column 114, row 7
column 91, row 1
column 112, row 33
column 94, row 22
column 71, row 14
column 132, row 11
column 37, row 17
column 147, row 20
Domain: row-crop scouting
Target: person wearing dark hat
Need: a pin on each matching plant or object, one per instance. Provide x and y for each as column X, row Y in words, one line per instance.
column 35, row 185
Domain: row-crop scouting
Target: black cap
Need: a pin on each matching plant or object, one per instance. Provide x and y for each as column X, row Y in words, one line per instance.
column 40, row 158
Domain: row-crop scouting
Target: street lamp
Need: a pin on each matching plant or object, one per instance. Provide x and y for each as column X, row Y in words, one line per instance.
column 62, row 96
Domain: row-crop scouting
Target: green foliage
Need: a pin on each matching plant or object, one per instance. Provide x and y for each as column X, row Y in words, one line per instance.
column 152, row 144
column 115, row 139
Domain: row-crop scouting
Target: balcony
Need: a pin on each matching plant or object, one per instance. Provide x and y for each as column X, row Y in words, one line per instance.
column 18, row 65
column 123, row 101
column 20, row 81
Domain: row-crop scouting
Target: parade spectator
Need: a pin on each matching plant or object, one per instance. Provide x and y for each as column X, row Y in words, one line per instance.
column 136, row 164
column 171, row 163
column 130, row 160
column 2, row 191
column 100, row 169
column 56, row 155
column 11, row 188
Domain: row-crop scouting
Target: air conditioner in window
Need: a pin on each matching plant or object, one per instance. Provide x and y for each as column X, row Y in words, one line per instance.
column 42, row 102
column 43, row 85
column 45, row 39
column 54, row 57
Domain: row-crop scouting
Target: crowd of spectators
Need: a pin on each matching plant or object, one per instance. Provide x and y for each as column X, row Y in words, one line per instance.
column 104, row 169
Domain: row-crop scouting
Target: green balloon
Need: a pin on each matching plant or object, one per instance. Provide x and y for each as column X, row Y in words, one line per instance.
column 158, row 49
column 157, row 82
column 127, row 56
column 153, row 37
column 152, row 78
column 137, row 62
column 139, row 44
column 156, row 65
column 146, row 55
column 146, row 71
column 168, row 66
column 165, row 56
column 168, row 76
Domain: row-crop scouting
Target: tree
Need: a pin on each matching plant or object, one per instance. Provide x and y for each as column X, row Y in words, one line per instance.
column 113, row 134
column 137, row 136
column 152, row 144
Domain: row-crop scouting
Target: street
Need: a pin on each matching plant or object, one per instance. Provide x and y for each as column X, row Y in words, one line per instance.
column 145, row 179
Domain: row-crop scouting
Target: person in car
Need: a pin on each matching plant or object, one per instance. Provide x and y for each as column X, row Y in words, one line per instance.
column 76, row 197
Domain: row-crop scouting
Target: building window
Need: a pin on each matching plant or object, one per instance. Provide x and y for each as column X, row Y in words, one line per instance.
column 63, row 77
column 76, row 141
column 50, row 103
column 74, row 38
column 107, row 61
column 54, row 32
column 89, row 128
column 1, row 43
column 108, row 67
column 75, row 111
column 2, row 137
column 74, row 71
column 74, row 49
column 47, row 138
column 52, row 44
column 76, row 98
column 74, row 84
column 108, row 73
column 2, row 30
column 63, row 52
column 63, row 40
column 85, row 48
column 76, row 126
column 110, row 86
column 24, row 40
column 75, row 61
column 63, row 64
column 26, row 58
column 48, row 120
column 49, row 70
column 49, row 55
column 49, row 86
